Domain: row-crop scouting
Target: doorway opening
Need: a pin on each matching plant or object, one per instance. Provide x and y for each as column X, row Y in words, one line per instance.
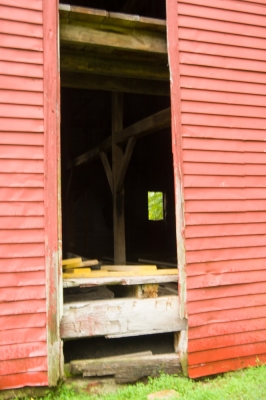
column 115, row 156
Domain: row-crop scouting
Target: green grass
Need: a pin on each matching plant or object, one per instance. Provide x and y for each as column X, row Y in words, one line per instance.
column 249, row 384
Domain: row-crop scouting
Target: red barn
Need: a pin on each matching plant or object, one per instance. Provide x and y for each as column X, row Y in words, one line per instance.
column 160, row 104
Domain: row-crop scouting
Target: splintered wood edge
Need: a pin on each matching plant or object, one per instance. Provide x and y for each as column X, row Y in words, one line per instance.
column 121, row 280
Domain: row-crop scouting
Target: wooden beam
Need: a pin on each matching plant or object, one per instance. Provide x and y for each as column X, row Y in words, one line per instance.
column 118, row 199
column 124, row 165
column 121, row 317
column 119, row 66
column 107, row 169
column 114, row 37
column 114, row 84
column 129, row 368
column 151, row 124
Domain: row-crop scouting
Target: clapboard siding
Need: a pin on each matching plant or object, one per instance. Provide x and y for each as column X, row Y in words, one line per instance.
column 23, row 338
column 222, row 99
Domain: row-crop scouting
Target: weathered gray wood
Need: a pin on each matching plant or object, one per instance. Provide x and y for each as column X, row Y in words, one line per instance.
column 124, row 164
column 121, row 317
column 114, row 37
column 107, row 169
column 114, row 84
column 124, row 280
column 151, row 124
column 118, row 199
column 95, row 64
column 131, row 369
column 77, row 367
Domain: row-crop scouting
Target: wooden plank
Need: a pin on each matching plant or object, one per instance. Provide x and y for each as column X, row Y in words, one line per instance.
column 21, row 15
column 245, row 313
column 214, row 181
column 21, row 56
column 74, row 62
column 19, row 42
column 217, row 133
column 115, row 38
column 119, row 280
column 121, row 317
column 24, row 264
column 21, row 111
column 250, row 31
column 23, row 152
column 210, row 36
column 118, row 199
column 22, row 125
column 21, row 28
column 9, row 322
column 225, row 242
column 23, row 166
column 107, row 169
column 114, row 84
column 226, row 328
column 218, row 367
column 154, row 123
column 25, row 379
column 233, row 278
column 225, row 254
column 70, row 261
column 78, row 366
column 22, row 180
column 124, row 164
column 88, row 273
column 225, row 194
column 23, row 307
column 228, row 6
column 227, row 13
column 21, row 222
column 31, row 364
column 7, row 209
column 20, row 293
column 19, row 279
column 27, row 4
column 21, row 83
column 228, row 266
column 130, row 369
column 24, row 139
column 209, row 206
column 21, row 336
column 198, row 168
column 21, row 235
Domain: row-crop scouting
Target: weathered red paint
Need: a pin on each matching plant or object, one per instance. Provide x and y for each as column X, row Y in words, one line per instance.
column 217, row 60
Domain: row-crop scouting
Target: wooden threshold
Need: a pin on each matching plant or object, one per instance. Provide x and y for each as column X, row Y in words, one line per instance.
column 121, row 317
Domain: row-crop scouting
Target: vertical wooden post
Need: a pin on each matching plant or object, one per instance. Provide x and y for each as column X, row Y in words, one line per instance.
column 118, row 199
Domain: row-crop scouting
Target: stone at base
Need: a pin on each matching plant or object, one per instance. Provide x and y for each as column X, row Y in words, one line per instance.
column 164, row 395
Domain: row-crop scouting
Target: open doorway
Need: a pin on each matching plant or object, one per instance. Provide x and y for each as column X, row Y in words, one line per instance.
column 118, row 206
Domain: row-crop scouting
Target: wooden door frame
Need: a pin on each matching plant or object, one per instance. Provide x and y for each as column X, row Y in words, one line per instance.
column 52, row 188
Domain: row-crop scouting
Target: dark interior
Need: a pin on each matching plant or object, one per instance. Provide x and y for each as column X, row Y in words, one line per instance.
column 87, row 214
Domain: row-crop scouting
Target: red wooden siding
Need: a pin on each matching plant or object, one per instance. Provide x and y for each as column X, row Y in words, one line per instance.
column 23, row 339
column 218, row 64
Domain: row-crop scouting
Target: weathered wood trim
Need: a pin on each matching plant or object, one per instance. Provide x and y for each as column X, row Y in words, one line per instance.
column 52, row 188
column 114, row 84
column 94, row 64
column 151, row 124
column 121, row 280
column 121, row 317
column 173, row 50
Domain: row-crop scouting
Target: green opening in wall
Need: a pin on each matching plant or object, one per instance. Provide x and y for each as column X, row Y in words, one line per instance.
column 155, row 206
